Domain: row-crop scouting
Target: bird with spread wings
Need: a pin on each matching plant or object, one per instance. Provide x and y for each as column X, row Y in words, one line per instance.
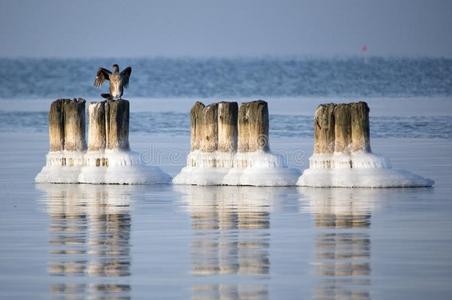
column 118, row 81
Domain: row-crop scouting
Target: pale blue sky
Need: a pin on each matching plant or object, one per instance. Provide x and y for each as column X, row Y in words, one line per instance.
column 88, row 28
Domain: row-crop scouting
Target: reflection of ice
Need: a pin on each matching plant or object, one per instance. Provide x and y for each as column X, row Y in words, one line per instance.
column 89, row 238
column 343, row 218
column 230, row 236
column 229, row 291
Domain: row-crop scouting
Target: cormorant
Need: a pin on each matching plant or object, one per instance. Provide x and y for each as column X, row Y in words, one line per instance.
column 118, row 80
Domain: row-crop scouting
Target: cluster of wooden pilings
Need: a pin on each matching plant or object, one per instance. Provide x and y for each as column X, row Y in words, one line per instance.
column 341, row 128
column 226, row 127
column 108, row 127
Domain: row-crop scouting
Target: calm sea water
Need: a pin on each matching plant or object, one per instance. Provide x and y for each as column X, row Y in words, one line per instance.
column 188, row 242
column 213, row 79
column 160, row 77
column 182, row 242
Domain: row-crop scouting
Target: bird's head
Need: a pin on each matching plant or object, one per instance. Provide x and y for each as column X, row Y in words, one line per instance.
column 115, row 68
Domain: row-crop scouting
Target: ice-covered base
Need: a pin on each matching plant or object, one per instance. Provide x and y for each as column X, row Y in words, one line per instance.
column 357, row 170
column 98, row 167
column 223, row 168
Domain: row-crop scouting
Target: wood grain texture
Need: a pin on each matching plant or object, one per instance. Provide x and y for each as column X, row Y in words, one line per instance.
column 360, row 127
column 96, row 128
column 209, row 141
column 227, row 126
column 196, row 130
column 342, row 128
column 56, row 126
column 74, row 124
column 324, row 128
column 117, row 124
column 253, row 127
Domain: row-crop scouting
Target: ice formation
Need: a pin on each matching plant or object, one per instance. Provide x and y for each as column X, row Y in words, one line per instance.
column 229, row 146
column 342, row 154
column 107, row 159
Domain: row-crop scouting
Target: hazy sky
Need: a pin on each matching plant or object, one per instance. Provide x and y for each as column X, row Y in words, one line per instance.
column 93, row 28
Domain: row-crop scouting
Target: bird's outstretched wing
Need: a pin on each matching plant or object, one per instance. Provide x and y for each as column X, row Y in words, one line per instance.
column 102, row 75
column 125, row 75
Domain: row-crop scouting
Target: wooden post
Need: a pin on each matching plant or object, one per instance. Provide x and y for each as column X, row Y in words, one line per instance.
column 342, row 128
column 209, row 141
column 259, row 124
column 324, row 129
column 253, row 126
column 96, row 129
column 74, row 124
column 117, row 124
column 360, row 126
column 227, row 126
column 243, row 128
column 196, row 114
column 56, row 126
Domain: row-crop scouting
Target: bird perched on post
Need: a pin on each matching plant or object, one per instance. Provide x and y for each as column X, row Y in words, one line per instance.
column 118, row 81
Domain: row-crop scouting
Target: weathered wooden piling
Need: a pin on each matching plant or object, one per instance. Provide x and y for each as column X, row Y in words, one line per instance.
column 259, row 138
column 56, row 125
column 74, row 124
column 253, row 125
column 117, row 124
column 209, row 140
column 96, row 128
column 196, row 114
column 324, row 129
column 227, row 126
column 359, row 112
column 243, row 128
column 342, row 128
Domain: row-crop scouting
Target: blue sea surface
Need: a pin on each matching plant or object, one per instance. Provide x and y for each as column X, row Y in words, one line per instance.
column 293, row 126
column 76, row 241
column 239, row 77
column 356, row 78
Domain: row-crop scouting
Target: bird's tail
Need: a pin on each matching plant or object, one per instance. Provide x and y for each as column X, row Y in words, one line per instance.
column 106, row 96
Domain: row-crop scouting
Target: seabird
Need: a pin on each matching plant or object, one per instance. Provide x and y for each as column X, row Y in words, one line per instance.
column 118, row 81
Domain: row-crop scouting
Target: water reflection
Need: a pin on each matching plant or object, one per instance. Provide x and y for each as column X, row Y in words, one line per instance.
column 342, row 245
column 89, row 239
column 230, row 236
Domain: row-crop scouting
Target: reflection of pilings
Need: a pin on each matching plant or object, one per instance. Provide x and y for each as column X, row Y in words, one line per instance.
column 341, row 128
column 196, row 114
column 216, row 219
column 96, row 129
column 67, row 221
column 90, row 291
column 117, row 124
column 229, row 291
column 343, row 261
column 253, row 125
column 227, row 126
column 108, row 233
column 342, row 218
column 209, row 142
column 89, row 236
